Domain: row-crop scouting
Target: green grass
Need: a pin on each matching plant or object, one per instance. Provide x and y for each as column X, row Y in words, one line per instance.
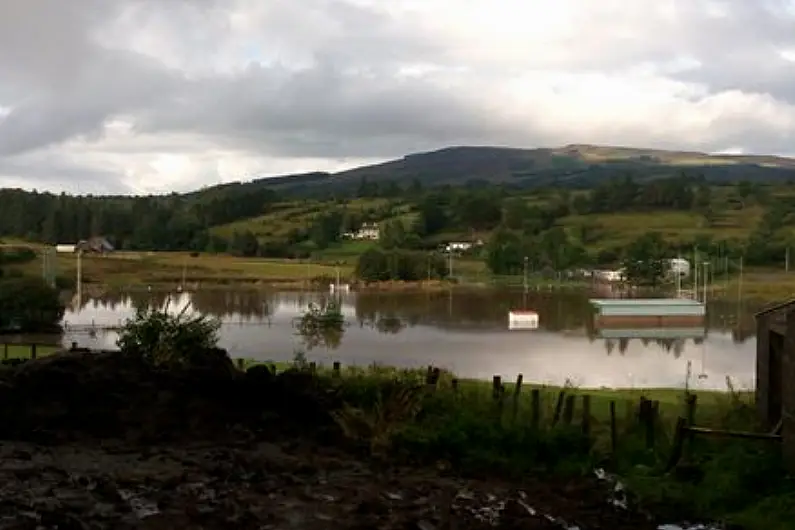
column 23, row 351
column 294, row 215
column 466, row 430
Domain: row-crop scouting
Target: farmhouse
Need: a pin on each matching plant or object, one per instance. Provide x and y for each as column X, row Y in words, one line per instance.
column 98, row 245
column 367, row 231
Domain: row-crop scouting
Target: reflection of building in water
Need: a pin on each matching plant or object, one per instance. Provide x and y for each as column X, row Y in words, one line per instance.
column 669, row 339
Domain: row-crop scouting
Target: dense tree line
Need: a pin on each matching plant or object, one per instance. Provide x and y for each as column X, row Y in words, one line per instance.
column 515, row 222
column 403, row 265
column 156, row 222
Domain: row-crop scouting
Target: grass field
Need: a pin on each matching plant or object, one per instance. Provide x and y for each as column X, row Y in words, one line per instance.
column 148, row 268
column 296, row 215
column 23, row 351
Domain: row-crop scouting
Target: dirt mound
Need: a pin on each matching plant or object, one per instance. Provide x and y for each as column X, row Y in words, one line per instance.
column 106, row 394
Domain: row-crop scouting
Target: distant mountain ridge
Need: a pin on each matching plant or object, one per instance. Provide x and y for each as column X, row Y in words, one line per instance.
column 575, row 165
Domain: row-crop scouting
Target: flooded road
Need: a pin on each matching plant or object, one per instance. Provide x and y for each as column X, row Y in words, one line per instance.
column 464, row 331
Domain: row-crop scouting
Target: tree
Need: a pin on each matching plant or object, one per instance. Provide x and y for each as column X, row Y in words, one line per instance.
column 162, row 338
column 432, row 217
column 29, row 305
column 504, row 252
column 393, row 234
column 645, row 260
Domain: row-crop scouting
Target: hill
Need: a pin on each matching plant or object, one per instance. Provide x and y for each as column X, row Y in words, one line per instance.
column 578, row 166
column 602, row 197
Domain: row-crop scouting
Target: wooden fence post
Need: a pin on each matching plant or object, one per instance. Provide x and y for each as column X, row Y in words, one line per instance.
column 335, row 369
column 496, row 385
column 241, row 364
column 5, row 351
column 517, row 391
column 678, row 443
column 568, row 410
column 32, row 351
column 454, row 382
column 313, row 367
column 558, row 408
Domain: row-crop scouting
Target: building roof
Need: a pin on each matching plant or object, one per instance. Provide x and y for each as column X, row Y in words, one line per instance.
column 773, row 308
column 654, row 302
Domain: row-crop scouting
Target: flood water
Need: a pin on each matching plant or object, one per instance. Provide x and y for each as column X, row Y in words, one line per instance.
column 464, row 331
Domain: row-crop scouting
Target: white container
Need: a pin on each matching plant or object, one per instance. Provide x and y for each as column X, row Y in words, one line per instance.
column 518, row 320
column 65, row 249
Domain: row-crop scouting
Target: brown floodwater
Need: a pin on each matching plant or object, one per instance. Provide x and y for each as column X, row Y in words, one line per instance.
column 465, row 331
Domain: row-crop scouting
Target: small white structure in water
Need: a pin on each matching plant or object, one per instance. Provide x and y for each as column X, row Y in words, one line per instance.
column 339, row 288
column 520, row 320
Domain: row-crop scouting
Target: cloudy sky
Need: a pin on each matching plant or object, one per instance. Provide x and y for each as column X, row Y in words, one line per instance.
column 101, row 96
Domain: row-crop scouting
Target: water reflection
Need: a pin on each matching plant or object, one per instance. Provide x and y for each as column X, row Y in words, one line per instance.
column 465, row 331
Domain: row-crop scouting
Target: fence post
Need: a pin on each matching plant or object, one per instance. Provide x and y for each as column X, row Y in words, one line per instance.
column 313, row 367
column 454, row 382
column 335, row 369
column 568, row 410
column 535, row 408
column 32, row 351
column 496, row 385
column 558, row 408
column 516, row 394
column 5, row 351
column 241, row 364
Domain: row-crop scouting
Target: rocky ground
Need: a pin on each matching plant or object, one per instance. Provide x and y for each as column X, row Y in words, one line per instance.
column 264, row 485
column 106, row 443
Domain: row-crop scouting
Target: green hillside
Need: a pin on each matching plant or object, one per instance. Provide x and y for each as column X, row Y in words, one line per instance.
column 601, row 198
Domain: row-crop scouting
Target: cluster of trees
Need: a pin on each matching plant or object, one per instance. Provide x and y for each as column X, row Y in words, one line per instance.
column 172, row 222
column 27, row 303
column 376, row 265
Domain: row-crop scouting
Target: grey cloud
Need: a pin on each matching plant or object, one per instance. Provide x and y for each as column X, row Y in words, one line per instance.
column 322, row 112
column 62, row 84
column 51, row 172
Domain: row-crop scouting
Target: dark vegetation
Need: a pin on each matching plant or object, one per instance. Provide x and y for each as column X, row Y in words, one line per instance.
column 27, row 303
column 540, row 441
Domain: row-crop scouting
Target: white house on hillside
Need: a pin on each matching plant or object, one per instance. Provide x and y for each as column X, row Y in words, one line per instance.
column 367, row 231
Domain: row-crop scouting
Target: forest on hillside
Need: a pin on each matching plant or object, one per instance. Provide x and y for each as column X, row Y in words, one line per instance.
column 559, row 228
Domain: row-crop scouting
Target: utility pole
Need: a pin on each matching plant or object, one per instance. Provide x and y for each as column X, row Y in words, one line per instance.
column 740, row 282
column 695, row 274
column 79, row 279
column 704, row 280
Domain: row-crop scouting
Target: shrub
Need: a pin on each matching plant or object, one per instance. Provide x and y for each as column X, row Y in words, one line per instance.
column 162, row 338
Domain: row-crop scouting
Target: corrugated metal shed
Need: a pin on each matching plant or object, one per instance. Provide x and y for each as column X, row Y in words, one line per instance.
column 643, row 307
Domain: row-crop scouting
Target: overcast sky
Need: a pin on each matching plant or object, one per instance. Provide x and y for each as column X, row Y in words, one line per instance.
column 126, row 96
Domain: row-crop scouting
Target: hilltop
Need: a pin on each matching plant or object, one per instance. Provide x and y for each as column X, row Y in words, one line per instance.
column 576, row 165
